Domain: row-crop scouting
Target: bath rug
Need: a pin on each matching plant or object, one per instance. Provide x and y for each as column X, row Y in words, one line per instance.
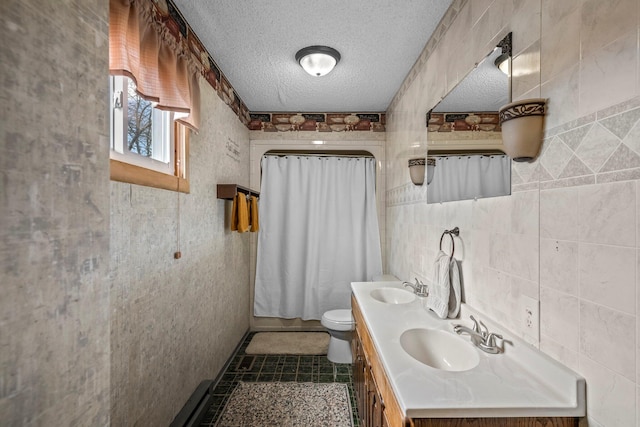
column 287, row 405
column 289, row 343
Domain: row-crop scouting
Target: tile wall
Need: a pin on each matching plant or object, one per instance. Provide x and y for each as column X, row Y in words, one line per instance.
column 569, row 233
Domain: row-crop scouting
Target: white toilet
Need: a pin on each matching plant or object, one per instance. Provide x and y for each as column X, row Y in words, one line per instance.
column 340, row 325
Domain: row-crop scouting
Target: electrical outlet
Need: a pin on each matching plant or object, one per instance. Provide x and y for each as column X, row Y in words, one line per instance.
column 530, row 312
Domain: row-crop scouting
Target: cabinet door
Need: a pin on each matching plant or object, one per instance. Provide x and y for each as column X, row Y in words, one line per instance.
column 385, row 420
column 376, row 404
column 359, row 379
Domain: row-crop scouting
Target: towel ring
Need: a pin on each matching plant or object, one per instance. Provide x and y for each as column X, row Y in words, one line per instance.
column 454, row 231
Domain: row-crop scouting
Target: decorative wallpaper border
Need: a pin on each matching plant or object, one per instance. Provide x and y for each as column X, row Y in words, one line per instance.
column 320, row 122
column 476, row 122
column 179, row 28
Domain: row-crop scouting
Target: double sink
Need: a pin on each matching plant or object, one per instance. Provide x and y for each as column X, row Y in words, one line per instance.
column 435, row 348
column 435, row 372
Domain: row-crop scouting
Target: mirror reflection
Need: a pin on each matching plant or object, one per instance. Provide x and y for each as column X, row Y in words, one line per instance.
column 464, row 137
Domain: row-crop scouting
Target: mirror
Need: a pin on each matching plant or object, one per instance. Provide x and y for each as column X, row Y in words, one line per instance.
column 463, row 134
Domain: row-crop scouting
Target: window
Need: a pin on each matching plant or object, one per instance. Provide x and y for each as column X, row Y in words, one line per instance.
column 148, row 147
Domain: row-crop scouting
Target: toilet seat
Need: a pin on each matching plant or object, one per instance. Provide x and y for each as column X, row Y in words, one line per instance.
column 338, row 320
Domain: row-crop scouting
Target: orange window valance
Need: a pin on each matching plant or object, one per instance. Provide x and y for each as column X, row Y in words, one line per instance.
column 142, row 48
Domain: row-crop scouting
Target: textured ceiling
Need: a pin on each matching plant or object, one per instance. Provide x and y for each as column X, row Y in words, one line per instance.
column 254, row 43
column 485, row 88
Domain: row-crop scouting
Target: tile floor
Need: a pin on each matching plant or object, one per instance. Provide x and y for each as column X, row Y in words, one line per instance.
column 274, row 368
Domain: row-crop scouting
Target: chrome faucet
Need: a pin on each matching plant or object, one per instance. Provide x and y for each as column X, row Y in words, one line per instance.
column 420, row 289
column 480, row 336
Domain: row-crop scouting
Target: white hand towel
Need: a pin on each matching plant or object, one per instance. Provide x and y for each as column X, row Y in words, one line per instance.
column 454, row 295
column 438, row 299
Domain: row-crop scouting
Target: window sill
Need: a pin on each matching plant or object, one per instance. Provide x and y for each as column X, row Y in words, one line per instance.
column 131, row 174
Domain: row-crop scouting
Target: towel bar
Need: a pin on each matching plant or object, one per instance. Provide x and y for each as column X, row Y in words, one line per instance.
column 229, row 191
column 454, row 231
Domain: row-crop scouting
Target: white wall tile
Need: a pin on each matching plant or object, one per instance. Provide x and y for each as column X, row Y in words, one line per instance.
column 609, row 74
column 607, row 214
column 559, row 352
column 560, row 37
column 608, row 337
column 607, row 276
column 524, row 215
column 560, row 318
column 562, row 93
column 604, row 22
column 611, row 398
column 559, row 214
column 559, row 265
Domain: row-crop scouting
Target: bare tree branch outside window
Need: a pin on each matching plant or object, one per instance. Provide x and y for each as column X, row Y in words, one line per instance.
column 139, row 113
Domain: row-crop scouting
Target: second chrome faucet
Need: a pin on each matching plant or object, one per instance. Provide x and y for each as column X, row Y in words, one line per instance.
column 480, row 336
column 420, row 289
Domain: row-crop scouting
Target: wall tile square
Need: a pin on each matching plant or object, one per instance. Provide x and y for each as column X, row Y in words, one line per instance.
column 596, row 147
column 559, row 265
column 555, row 157
column 607, row 214
column 611, row 398
column 607, row 276
column 559, row 352
column 524, row 255
column 609, row 74
column 524, row 216
column 604, row 22
column 560, row 318
column 559, row 214
column 562, row 93
column 560, row 38
column 608, row 337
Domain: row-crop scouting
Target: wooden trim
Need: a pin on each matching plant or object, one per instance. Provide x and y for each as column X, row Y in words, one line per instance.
column 229, row 191
column 132, row 174
column 497, row 422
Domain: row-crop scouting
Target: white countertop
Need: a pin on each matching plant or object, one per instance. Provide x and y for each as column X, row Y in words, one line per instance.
column 521, row 382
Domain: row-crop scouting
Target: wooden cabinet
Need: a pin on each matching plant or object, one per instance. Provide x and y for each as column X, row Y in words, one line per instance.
column 378, row 406
column 369, row 400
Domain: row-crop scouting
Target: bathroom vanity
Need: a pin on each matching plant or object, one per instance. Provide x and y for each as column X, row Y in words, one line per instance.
column 520, row 387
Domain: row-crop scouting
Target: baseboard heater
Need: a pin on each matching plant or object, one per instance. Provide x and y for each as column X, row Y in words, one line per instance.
column 196, row 407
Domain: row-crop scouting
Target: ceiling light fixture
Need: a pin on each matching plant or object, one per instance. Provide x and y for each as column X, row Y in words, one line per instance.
column 318, row 60
column 503, row 62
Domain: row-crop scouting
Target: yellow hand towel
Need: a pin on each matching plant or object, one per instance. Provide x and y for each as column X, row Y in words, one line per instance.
column 255, row 223
column 234, row 214
column 243, row 213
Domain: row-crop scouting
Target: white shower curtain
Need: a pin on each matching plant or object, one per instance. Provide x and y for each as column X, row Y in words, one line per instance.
column 318, row 232
column 469, row 177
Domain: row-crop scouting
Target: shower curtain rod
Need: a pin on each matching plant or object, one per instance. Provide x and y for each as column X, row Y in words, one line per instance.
column 471, row 153
column 312, row 154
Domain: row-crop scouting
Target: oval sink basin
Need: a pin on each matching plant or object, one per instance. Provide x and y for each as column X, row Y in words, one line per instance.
column 439, row 349
column 392, row 295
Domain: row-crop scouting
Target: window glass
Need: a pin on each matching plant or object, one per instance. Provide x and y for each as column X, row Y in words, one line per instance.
column 144, row 136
